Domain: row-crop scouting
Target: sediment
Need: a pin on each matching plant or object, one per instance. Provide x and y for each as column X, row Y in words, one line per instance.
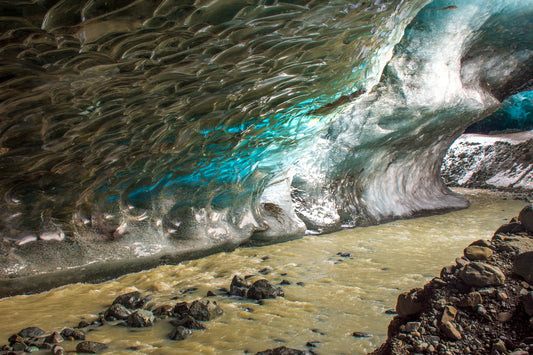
column 481, row 305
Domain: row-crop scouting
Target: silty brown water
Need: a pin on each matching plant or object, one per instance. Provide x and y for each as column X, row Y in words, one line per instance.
column 336, row 296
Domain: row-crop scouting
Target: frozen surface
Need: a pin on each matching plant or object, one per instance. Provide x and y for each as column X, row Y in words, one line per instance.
column 149, row 131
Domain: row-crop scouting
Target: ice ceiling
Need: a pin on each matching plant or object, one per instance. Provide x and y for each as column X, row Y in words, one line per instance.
column 166, row 129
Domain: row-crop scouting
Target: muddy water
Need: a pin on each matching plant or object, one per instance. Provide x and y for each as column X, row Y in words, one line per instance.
column 339, row 295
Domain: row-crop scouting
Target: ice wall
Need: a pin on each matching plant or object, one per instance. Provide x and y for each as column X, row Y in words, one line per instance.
column 140, row 132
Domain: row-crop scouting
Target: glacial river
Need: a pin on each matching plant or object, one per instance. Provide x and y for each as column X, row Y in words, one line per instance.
column 335, row 297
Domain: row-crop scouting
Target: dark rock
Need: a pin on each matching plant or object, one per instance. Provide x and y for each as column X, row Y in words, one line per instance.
column 282, row 351
column 54, row 338
column 300, row 283
column 450, row 331
column 527, row 303
column 361, row 335
column 479, row 274
column 181, row 309
column 31, row 332
column 180, row 333
column 205, row 310
column 526, row 218
column 238, row 291
column 285, row 282
column 163, row 310
column 90, row 347
column 83, row 324
column 58, row 350
column 410, row 303
column 131, row 300
column 188, row 322
column 265, row 271
column 523, row 266
column 262, row 289
column 344, row 254
column 210, row 294
column 68, row 333
column 117, row 311
column 141, row 318
column 19, row 346
column 15, row 338
column 510, row 228
column 240, row 282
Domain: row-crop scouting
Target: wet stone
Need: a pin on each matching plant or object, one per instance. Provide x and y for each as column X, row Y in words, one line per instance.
column 58, row 350
column 69, row 333
column 205, row 310
column 131, row 300
column 188, row 322
column 117, row 311
column 361, row 335
column 141, row 318
column 31, row 332
column 262, row 289
column 90, row 347
column 180, row 333
column 54, row 338
column 282, row 351
column 181, row 309
column 163, row 310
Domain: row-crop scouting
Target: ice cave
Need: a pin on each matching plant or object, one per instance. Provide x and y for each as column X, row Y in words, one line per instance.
column 135, row 133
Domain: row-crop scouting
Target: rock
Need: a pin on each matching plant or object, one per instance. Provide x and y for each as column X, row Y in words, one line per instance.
column 479, row 274
column 448, row 315
column 188, row 322
column 476, row 252
column 282, row 351
column 361, row 335
column 410, row 303
column 526, row 218
column 19, row 346
column 73, row 334
column 83, row 324
column 54, row 338
column 117, row 311
column 500, row 347
column 58, row 350
column 163, row 310
column 449, row 330
column 205, row 310
column 504, row 316
column 239, row 286
column 410, row 327
column 180, row 333
column 262, row 289
column 523, row 266
column 527, row 303
column 181, row 309
column 511, row 228
column 90, row 347
column 31, row 332
column 132, row 300
column 471, row 300
column 482, row 243
column 210, row 294
column 240, row 282
column 141, row 318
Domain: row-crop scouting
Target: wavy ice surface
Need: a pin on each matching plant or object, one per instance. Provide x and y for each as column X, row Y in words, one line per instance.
column 168, row 130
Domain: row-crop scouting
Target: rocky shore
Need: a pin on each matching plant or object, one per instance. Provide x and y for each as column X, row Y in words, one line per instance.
column 481, row 305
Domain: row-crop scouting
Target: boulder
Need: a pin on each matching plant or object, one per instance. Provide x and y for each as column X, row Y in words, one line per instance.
column 181, row 309
column 31, row 332
column 510, row 228
column 117, row 311
column 262, row 289
column 205, row 310
column 141, row 318
column 410, row 303
column 90, row 347
column 188, row 322
column 526, row 218
column 477, row 252
column 478, row 274
column 283, row 351
column 527, row 302
column 131, row 300
column 180, row 333
column 523, row 266
column 69, row 333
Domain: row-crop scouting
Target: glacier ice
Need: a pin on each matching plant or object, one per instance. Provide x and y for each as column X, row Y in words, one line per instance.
column 140, row 132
